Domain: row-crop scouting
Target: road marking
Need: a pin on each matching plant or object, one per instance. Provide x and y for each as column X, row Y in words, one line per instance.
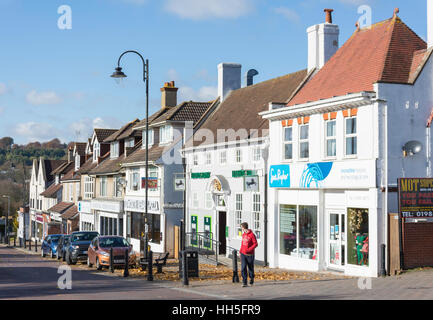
column 224, row 297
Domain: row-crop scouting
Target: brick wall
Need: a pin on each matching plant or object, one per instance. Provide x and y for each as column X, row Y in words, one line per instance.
column 417, row 244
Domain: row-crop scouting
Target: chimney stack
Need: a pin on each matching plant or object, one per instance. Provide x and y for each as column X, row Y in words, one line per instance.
column 322, row 42
column 429, row 23
column 229, row 78
column 169, row 95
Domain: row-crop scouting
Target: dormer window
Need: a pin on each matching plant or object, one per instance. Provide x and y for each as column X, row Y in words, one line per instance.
column 77, row 162
column 129, row 143
column 95, row 151
column 114, row 149
column 165, row 134
column 143, row 142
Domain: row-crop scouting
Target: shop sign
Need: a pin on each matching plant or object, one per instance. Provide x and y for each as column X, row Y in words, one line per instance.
column 415, row 197
column 111, row 206
column 279, row 176
column 179, row 184
column 173, row 205
column 243, row 173
column 200, row 175
column 39, row 217
column 152, row 183
column 138, row 205
column 251, row 184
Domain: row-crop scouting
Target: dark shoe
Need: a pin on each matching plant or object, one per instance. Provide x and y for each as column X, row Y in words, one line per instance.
column 251, row 282
column 244, row 285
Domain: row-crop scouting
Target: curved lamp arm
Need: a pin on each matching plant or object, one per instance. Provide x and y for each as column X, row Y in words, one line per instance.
column 145, row 63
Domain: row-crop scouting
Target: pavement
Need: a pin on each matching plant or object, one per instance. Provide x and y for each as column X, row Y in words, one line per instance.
column 28, row 276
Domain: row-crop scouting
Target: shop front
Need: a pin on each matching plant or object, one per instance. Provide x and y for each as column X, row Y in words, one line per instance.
column 87, row 218
column 135, row 217
column 108, row 216
column 39, row 226
column 327, row 217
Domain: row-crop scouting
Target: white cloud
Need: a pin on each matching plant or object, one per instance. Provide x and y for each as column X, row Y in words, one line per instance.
column 34, row 131
column 207, row 9
column 39, row 98
column 287, row 13
column 202, row 94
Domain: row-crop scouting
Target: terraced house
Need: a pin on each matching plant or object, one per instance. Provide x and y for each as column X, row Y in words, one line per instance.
column 169, row 127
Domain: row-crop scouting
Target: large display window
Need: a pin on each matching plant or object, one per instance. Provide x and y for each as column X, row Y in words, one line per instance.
column 298, row 231
column 358, row 236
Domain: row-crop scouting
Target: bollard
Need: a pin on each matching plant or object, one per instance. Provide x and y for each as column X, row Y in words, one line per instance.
column 185, row 269
column 235, row 267
column 25, row 244
column 36, row 245
column 111, row 260
column 30, row 245
column 382, row 267
column 150, row 266
column 126, row 271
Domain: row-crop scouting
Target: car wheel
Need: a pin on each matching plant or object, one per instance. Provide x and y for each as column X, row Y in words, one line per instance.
column 88, row 263
column 68, row 259
column 52, row 254
column 98, row 266
column 57, row 255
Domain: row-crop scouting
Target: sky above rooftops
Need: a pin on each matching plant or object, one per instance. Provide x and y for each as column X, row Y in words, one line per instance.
column 55, row 83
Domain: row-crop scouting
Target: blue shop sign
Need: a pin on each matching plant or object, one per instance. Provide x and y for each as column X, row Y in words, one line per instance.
column 279, row 176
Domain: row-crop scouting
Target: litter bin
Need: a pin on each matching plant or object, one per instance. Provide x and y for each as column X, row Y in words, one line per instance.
column 192, row 263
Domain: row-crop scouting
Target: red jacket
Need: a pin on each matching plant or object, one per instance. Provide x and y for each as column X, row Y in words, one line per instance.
column 249, row 243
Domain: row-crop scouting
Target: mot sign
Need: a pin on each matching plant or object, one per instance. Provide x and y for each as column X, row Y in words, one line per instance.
column 415, row 197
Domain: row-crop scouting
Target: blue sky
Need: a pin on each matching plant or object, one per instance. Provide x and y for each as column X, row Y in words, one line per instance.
column 55, row 83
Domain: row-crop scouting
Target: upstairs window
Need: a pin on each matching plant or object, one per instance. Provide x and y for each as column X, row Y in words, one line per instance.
column 238, row 156
column 95, row 151
column 143, row 142
column 351, row 137
column 331, row 138
column 77, row 162
column 304, row 145
column 223, row 157
column 208, row 158
column 195, row 159
column 114, row 149
column 134, row 180
column 129, row 143
column 257, row 154
column 288, row 143
column 103, row 186
column 166, row 134
column 88, row 187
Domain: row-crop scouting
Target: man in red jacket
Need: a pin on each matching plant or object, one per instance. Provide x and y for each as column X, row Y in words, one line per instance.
column 249, row 244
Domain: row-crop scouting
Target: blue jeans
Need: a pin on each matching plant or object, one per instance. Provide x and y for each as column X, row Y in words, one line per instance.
column 247, row 262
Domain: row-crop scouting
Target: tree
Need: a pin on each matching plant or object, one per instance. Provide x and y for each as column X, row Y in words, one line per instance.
column 6, row 143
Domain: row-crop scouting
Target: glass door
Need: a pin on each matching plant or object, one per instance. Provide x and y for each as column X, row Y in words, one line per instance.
column 337, row 239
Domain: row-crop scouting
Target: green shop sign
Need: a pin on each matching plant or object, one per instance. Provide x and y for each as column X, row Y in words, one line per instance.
column 200, row 175
column 244, row 173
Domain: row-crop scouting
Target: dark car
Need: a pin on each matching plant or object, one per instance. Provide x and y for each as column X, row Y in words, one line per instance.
column 78, row 246
column 99, row 252
column 61, row 247
column 49, row 245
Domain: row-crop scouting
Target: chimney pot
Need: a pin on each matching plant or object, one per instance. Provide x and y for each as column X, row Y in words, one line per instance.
column 168, row 95
column 328, row 15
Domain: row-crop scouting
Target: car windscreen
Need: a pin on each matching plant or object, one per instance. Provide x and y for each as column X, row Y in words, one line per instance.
column 113, row 242
column 55, row 238
column 83, row 236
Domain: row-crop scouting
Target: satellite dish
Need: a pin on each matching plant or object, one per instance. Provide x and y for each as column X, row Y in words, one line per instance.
column 412, row 147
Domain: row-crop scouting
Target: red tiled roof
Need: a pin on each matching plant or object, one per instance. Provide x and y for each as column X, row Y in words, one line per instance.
column 388, row 52
column 70, row 213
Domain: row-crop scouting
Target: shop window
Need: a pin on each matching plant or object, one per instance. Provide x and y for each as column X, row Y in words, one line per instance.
column 298, row 231
column 358, row 237
column 288, row 238
column 136, row 225
column 154, row 223
column 351, row 137
column 331, row 138
column 256, row 215
column 238, row 214
column 288, row 143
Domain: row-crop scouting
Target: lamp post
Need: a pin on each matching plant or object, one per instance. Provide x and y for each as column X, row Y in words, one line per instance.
column 118, row 74
column 7, row 218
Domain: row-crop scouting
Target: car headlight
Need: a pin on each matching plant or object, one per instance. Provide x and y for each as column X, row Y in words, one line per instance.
column 105, row 254
column 76, row 247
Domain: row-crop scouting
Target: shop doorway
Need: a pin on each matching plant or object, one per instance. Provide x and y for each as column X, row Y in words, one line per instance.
column 336, row 239
column 222, row 224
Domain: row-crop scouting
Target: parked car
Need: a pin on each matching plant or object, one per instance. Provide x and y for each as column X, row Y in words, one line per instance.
column 99, row 252
column 61, row 247
column 78, row 246
column 49, row 245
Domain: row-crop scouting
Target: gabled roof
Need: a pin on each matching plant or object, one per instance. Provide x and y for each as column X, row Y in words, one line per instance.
column 240, row 110
column 60, row 207
column 102, row 134
column 80, row 148
column 186, row 111
column 50, row 167
column 87, row 166
column 70, row 213
column 388, row 52
column 123, row 133
column 155, row 152
column 52, row 191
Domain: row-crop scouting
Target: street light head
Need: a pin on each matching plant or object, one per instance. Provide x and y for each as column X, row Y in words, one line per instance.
column 118, row 75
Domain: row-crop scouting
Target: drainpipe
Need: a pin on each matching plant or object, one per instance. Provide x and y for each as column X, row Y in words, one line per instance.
column 385, row 206
column 265, row 233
